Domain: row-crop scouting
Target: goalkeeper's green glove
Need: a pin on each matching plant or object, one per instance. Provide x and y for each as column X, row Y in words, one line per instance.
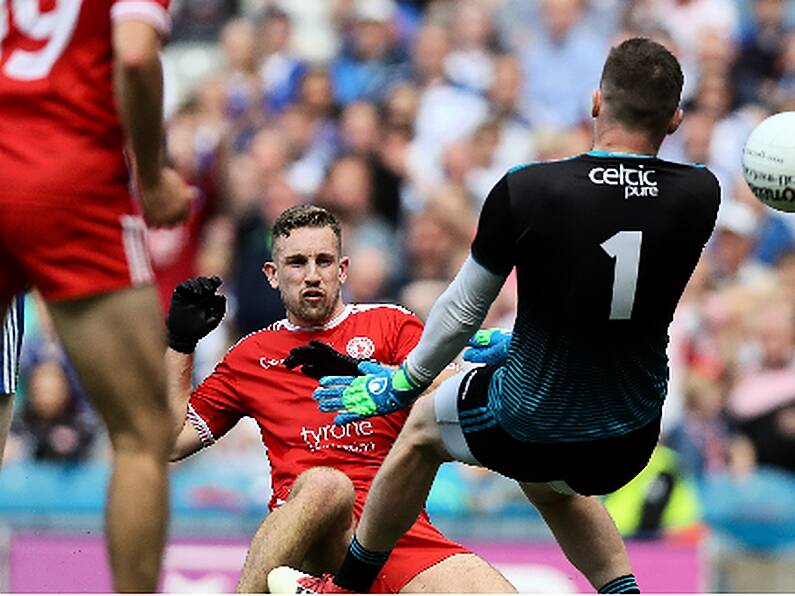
column 380, row 391
column 488, row 346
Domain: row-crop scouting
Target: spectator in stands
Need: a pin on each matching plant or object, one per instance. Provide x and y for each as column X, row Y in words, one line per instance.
column 515, row 144
column 688, row 22
column 311, row 146
column 369, row 282
column 372, row 60
column 241, row 80
column 782, row 96
column 174, row 249
column 401, row 106
column 445, row 112
column 201, row 20
column 566, row 54
column 361, row 134
column 661, row 500
column 258, row 305
column 470, row 64
column 786, row 276
column 773, row 236
column 348, row 193
column 279, row 67
column 734, row 243
column 703, row 436
column 55, row 424
column 762, row 402
column 761, row 47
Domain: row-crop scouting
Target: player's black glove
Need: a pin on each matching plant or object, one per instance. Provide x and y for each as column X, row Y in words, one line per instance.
column 195, row 310
column 318, row 359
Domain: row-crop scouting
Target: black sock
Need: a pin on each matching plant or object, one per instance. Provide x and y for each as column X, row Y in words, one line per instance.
column 360, row 568
column 626, row 584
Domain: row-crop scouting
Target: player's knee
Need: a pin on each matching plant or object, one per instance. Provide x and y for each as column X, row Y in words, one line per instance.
column 326, row 486
column 544, row 495
column 143, row 434
column 421, row 431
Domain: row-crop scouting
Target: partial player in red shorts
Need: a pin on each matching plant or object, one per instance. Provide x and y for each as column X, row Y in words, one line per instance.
column 320, row 472
column 78, row 81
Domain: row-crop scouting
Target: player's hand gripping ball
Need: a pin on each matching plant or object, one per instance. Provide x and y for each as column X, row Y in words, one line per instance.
column 769, row 161
column 488, row 346
column 380, row 391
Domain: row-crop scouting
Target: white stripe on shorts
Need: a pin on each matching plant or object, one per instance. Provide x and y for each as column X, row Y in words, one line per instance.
column 12, row 336
column 134, row 239
column 445, row 405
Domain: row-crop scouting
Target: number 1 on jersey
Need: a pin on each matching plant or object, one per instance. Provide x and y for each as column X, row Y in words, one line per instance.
column 625, row 248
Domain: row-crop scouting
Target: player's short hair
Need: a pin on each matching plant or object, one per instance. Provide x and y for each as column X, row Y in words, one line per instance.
column 306, row 216
column 641, row 85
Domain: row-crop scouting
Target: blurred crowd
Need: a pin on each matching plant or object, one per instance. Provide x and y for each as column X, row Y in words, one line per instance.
column 399, row 116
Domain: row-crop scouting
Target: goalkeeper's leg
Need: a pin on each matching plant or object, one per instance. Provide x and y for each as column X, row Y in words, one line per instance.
column 396, row 498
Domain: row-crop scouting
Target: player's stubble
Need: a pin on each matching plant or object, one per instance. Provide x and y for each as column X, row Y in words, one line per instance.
column 315, row 312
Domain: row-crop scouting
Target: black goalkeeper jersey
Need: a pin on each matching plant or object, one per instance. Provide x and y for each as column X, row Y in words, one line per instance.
column 603, row 246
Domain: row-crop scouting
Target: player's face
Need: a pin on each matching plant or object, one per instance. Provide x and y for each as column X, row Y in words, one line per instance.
column 308, row 272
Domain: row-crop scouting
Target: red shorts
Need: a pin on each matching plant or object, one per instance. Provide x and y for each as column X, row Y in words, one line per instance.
column 71, row 251
column 419, row 549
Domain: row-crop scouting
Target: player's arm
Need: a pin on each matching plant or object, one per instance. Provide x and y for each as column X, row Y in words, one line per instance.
column 138, row 82
column 460, row 310
column 453, row 320
column 179, row 367
column 195, row 310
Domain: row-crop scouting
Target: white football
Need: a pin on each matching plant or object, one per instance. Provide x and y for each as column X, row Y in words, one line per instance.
column 769, row 161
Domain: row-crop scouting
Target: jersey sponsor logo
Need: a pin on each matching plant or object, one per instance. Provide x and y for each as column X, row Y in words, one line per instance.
column 360, row 347
column 266, row 362
column 637, row 182
column 356, row 434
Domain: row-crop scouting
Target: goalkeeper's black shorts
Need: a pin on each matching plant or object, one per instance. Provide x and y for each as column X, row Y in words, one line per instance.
column 593, row 467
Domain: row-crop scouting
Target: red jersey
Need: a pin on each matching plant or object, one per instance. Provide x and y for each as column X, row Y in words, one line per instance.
column 60, row 133
column 252, row 381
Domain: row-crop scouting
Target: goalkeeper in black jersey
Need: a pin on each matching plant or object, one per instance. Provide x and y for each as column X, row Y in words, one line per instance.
column 603, row 244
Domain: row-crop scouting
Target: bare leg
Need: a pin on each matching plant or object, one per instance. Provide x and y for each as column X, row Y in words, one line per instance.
column 584, row 530
column 116, row 343
column 310, row 531
column 404, row 480
column 6, row 411
column 460, row 574
column 397, row 496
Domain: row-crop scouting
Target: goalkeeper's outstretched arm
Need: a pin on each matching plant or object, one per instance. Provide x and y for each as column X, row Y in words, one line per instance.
column 455, row 316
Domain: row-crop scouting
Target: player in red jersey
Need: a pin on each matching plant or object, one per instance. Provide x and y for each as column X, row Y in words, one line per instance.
column 79, row 80
column 320, row 472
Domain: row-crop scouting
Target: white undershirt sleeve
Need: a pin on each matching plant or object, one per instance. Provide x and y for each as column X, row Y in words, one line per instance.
column 454, row 318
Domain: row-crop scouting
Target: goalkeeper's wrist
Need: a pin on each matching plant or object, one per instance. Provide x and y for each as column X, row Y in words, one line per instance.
column 409, row 387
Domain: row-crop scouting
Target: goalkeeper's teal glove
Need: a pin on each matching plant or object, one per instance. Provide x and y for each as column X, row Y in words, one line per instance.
column 381, row 391
column 488, row 346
